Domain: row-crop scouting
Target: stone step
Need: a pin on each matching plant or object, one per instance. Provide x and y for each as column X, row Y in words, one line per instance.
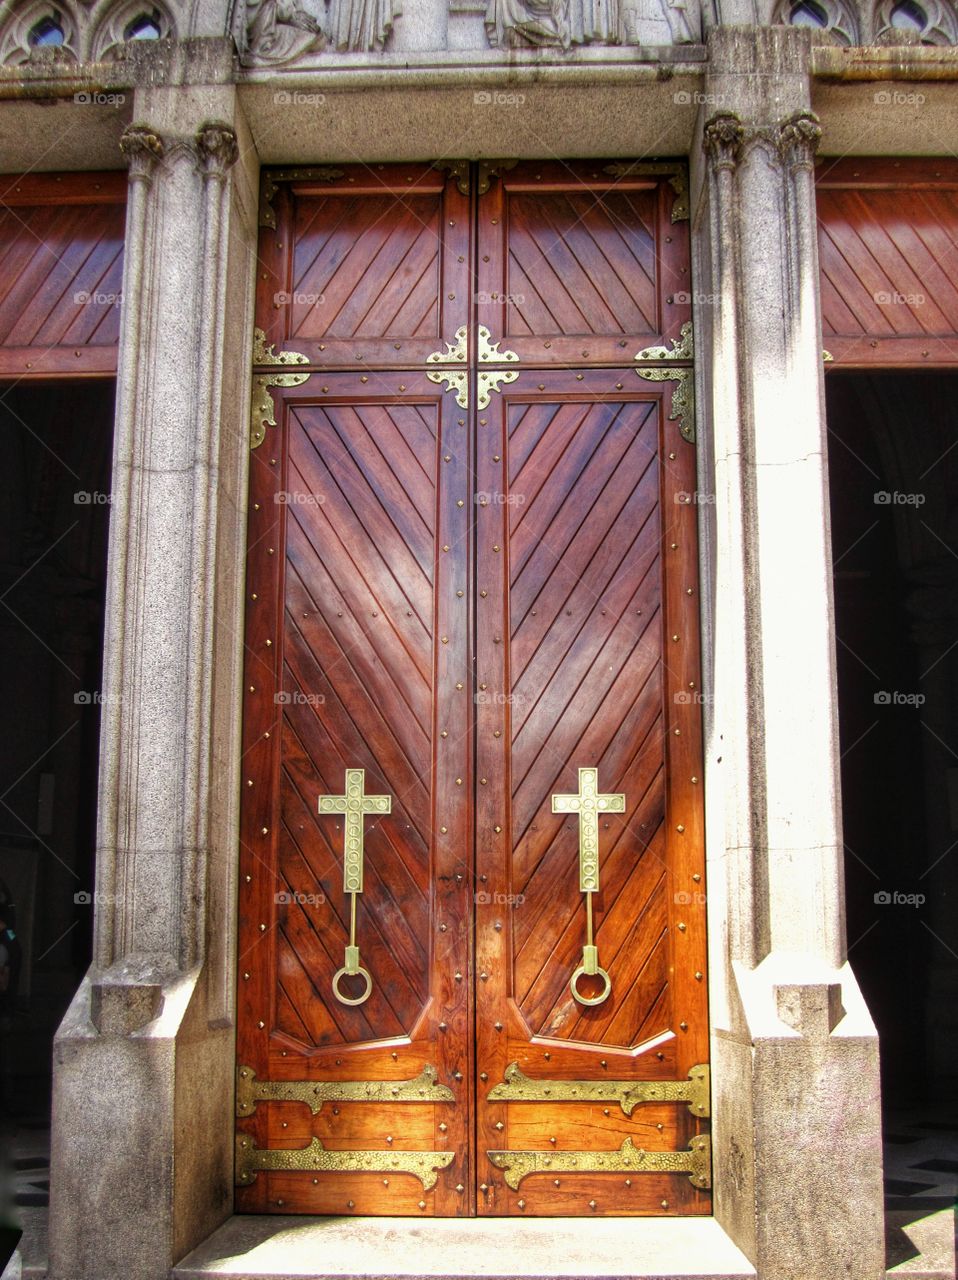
column 288, row 1248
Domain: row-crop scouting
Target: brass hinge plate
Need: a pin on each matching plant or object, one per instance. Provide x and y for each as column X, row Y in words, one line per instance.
column 518, row 1087
column 683, row 397
column 252, row 1160
column 696, row 1162
column 262, row 405
column 457, row 378
column 421, row 1088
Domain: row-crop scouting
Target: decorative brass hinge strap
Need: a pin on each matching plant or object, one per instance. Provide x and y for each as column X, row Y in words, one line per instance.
column 268, row 186
column 489, row 169
column 252, row 1160
column 456, row 353
column 696, row 1162
column 262, row 406
column 518, row 1087
column 683, row 397
column 488, row 353
column 677, row 174
column 422, row 1088
column 458, row 169
column 486, row 171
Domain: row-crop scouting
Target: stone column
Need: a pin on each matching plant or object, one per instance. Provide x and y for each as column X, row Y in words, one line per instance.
column 142, row 1165
column 797, row 1116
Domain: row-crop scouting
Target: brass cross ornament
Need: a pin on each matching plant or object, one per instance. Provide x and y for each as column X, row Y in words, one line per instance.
column 588, row 803
column 354, row 804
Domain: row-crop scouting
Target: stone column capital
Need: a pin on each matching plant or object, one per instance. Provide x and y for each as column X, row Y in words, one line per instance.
column 798, row 139
column 142, row 147
column 217, row 148
column 722, row 140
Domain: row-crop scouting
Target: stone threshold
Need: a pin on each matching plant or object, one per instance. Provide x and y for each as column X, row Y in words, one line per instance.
column 285, row 1248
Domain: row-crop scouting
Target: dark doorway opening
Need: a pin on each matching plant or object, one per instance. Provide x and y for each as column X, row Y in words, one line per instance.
column 893, row 465
column 56, row 442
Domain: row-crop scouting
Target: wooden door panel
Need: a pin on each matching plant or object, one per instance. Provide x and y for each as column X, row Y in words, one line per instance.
column 429, row 582
column 357, row 636
column 582, row 263
column 61, row 263
column 366, row 265
column 888, row 240
column 587, row 657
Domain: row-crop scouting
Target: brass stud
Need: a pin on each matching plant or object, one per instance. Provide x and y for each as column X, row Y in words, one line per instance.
column 679, row 827
column 389, row 1139
column 422, row 1204
column 497, row 1025
column 483, row 1187
column 443, row 1127
column 682, row 926
column 458, row 976
column 500, row 1126
column 483, row 1075
column 684, row 1026
column 484, row 977
column 460, row 1188
column 553, row 1141
column 665, row 1204
column 522, row 1204
column 496, row 547
column 497, row 733
column 460, row 503
column 444, row 733
column 457, row 1075
column 555, row 1182
column 497, row 829
column 261, row 1025
column 592, row 1204
column 443, row 1025
column 443, row 830
column 698, row 975
column 385, row 1182
column 363, row 378
column 696, row 877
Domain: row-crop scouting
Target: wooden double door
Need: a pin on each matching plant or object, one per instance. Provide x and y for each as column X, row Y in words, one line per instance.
column 472, row 908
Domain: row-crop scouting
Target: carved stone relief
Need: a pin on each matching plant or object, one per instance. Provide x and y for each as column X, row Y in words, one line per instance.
column 561, row 24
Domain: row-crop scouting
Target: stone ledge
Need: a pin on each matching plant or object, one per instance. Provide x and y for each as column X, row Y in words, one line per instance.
column 268, row 1248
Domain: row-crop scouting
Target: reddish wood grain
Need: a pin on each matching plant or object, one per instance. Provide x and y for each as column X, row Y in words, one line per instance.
column 436, row 578
column 61, row 273
column 888, row 249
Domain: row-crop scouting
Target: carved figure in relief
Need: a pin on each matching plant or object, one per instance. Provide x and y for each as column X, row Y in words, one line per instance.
column 564, row 23
column 363, row 24
column 279, row 30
